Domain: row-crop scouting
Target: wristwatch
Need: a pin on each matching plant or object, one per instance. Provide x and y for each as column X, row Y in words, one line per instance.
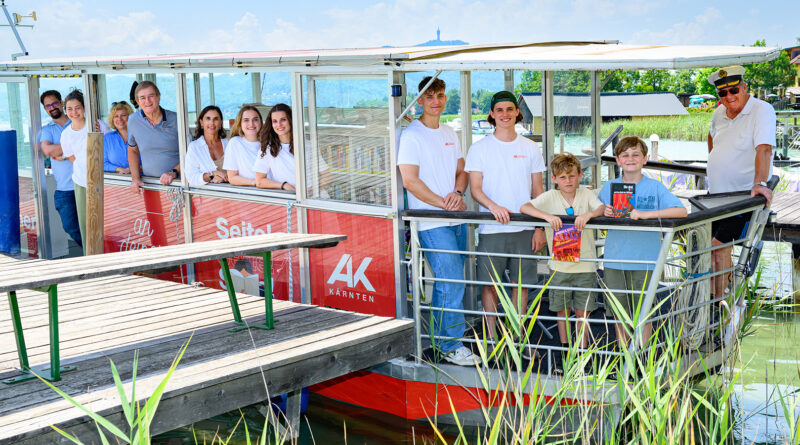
column 458, row 192
column 211, row 176
column 176, row 172
column 762, row 184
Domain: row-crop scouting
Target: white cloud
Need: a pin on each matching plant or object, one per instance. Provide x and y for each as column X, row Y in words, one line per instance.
column 703, row 29
column 69, row 29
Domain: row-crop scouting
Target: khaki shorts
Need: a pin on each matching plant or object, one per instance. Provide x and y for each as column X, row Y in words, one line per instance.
column 633, row 280
column 510, row 243
column 561, row 299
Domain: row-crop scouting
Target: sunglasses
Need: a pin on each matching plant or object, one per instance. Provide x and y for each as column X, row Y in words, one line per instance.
column 52, row 105
column 114, row 104
column 723, row 93
column 570, row 211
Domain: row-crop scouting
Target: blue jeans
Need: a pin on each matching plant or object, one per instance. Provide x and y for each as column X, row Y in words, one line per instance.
column 447, row 295
column 64, row 201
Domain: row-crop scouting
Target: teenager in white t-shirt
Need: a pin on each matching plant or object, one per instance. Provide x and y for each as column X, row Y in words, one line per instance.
column 243, row 147
column 432, row 167
column 505, row 171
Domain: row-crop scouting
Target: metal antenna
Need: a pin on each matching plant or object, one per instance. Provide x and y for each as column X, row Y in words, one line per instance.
column 13, row 24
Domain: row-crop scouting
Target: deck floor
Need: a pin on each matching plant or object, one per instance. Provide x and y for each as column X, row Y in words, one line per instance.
column 112, row 317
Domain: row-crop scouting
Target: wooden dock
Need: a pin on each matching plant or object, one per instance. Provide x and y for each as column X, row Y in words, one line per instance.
column 111, row 317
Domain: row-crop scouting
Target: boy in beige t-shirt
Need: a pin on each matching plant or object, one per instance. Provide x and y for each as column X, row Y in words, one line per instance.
column 569, row 199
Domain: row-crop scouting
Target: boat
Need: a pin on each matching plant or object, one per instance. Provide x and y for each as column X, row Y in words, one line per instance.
column 380, row 268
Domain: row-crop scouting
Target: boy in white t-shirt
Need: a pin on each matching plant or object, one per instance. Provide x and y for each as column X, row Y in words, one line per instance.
column 432, row 168
column 505, row 171
column 572, row 200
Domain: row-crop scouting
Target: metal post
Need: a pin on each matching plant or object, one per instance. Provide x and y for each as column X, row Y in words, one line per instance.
column 255, row 83
column 302, row 181
column 55, row 357
column 652, row 286
column 596, row 122
column 102, row 96
column 396, row 184
column 183, row 142
column 16, row 321
column 90, row 100
column 466, row 112
column 508, row 80
column 211, row 96
column 416, row 282
column 548, row 122
column 269, row 321
column 226, row 273
column 37, row 172
column 198, row 95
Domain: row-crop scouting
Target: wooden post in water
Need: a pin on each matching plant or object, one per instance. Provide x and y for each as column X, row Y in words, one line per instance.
column 561, row 138
column 93, row 244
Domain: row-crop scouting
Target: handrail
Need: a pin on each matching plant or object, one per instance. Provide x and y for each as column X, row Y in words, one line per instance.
column 610, row 138
column 664, row 166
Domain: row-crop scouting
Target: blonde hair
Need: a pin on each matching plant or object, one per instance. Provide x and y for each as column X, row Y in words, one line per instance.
column 236, row 128
column 564, row 162
column 116, row 106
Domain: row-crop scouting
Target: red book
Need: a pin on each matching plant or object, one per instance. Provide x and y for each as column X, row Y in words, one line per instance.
column 567, row 244
column 622, row 199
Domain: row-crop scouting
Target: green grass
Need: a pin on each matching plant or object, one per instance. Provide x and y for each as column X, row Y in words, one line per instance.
column 691, row 127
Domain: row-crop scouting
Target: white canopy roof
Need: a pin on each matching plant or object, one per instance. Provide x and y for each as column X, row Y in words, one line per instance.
column 556, row 56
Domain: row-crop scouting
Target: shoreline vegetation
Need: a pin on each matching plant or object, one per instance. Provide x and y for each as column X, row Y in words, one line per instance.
column 691, row 127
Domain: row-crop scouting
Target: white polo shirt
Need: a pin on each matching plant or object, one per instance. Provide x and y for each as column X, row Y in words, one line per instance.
column 436, row 152
column 241, row 156
column 732, row 161
column 507, row 168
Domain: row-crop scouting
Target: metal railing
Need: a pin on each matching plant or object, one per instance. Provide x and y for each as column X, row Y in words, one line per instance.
column 663, row 300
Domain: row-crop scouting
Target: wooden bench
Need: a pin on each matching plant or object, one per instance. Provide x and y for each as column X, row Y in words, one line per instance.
column 47, row 275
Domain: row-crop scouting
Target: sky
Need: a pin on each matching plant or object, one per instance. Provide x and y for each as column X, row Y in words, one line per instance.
column 144, row 27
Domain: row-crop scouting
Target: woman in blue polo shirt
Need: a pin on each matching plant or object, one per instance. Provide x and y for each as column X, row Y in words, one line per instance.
column 115, row 143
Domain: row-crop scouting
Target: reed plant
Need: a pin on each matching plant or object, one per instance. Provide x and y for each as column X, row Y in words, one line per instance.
column 690, row 127
column 652, row 392
column 139, row 417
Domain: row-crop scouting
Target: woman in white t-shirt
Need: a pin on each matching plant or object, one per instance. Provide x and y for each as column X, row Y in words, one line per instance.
column 73, row 145
column 205, row 155
column 243, row 147
column 275, row 166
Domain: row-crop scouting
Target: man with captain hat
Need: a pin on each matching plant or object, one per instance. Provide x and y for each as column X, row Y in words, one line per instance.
column 740, row 144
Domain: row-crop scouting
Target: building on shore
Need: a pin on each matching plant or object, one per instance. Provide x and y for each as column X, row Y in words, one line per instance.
column 572, row 111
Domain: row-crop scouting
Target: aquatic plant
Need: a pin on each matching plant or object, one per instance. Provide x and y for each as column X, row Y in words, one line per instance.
column 650, row 394
column 691, row 127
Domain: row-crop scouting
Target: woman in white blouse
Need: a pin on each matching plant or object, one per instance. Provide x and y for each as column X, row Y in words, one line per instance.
column 243, row 147
column 275, row 166
column 205, row 155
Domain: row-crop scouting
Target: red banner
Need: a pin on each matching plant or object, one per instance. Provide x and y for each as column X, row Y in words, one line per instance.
column 141, row 221
column 222, row 219
column 358, row 274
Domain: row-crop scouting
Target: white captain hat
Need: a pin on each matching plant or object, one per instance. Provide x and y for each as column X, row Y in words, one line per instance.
column 726, row 77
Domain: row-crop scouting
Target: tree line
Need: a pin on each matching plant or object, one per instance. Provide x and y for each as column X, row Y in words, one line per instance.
column 762, row 75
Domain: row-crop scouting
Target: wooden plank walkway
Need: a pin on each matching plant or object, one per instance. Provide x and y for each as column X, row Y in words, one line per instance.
column 109, row 318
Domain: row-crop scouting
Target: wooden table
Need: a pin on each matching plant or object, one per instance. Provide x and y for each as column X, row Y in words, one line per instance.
column 47, row 275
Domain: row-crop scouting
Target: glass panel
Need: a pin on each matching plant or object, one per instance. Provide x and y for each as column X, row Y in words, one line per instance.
column 347, row 139
column 14, row 115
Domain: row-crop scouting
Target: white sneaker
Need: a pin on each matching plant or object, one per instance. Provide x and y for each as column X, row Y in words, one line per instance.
column 461, row 357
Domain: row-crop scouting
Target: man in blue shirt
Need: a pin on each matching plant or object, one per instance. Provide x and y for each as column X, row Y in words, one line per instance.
column 50, row 141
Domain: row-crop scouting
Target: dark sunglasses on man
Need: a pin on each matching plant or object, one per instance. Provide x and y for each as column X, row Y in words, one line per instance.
column 723, row 93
